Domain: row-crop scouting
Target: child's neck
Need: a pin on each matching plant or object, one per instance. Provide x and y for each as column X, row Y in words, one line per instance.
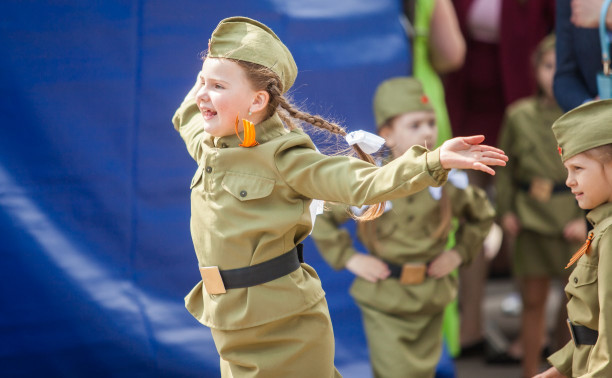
column 548, row 101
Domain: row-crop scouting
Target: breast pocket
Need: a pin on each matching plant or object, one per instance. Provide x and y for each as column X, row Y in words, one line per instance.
column 584, row 274
column 246, row 187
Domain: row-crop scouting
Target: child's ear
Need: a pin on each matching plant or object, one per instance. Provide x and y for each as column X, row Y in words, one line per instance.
column 385, row 132
column 260, row 102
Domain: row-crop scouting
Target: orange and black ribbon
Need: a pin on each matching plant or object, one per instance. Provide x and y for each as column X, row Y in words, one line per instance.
column 249, row 133
column 584, row 249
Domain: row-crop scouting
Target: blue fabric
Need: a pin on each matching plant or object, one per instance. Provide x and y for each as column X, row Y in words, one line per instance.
column 578, row 60
column 94, row 181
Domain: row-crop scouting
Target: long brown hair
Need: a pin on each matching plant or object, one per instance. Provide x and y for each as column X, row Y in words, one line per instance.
column 262, row 78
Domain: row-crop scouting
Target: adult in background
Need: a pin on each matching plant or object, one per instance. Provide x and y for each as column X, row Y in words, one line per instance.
column 578, row 51
column 501, row 36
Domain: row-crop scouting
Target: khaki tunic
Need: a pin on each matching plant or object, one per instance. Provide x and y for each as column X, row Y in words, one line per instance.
column 403, row 322
column 528, row 140
column 531, row 147
column 250, row 205
column 589, row 293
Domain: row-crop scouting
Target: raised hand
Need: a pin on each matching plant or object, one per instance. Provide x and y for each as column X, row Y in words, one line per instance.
column 468, row 153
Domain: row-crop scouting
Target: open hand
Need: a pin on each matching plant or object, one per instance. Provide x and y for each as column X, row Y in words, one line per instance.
column 468, row 153
column 445, row 263
column 368, row 267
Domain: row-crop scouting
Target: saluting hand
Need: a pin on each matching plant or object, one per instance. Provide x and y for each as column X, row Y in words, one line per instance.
column 468, row 153
column 368, row 267
column 196, row 87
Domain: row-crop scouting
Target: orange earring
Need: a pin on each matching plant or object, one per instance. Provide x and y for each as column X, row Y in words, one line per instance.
column 249, row 133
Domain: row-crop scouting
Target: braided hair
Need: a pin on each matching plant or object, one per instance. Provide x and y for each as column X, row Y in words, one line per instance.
column 262, row 78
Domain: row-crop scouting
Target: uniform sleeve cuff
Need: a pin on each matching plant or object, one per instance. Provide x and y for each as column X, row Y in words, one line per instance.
column 562, row 359
column 434, row 167
column 182, row 111
column 461, row 250
column 350, row 252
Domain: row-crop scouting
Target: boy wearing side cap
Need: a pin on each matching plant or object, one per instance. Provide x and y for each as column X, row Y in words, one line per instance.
column 402, row 284
column 584, row 135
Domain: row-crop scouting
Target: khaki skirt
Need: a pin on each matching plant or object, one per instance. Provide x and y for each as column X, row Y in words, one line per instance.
column 300, row 345
column 537, row 255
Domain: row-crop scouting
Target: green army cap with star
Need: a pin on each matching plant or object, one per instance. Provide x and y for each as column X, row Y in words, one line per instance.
column 585, row 127
column 397, row 96
column 245, row 39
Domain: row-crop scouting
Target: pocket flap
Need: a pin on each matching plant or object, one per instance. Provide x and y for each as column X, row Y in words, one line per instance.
column 247, row 187
column 584, row 274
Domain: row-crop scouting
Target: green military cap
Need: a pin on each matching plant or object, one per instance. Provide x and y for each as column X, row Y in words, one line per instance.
column 397, row 96
column 585, row 127
column 242, row 38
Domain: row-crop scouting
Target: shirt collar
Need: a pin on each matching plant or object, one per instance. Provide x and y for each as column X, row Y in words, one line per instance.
column 600, row 213
column 265, row 131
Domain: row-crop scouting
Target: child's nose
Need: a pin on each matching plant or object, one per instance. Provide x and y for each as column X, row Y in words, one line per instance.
column 202, row 94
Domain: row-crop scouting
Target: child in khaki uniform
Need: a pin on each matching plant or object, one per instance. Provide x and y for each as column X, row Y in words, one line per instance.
column 250, row 199
column 584, row 136
column 403, row 283
column 535, row 206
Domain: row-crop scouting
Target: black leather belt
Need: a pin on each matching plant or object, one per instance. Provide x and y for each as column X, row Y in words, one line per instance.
column 582, row 335
column 218, row 281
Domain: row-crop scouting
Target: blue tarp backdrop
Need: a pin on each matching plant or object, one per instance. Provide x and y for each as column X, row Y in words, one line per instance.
column 94, row 181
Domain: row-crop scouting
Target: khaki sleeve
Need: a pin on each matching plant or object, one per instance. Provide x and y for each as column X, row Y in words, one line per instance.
column 352, row 181
column 476, row 215
column 504, row 185
column 189, row 123
column 562, row 359
column 599, row 361
column 332, row 240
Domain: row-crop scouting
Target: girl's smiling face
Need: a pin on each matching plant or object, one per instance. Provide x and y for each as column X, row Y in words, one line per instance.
column 225, row 93
column 589, row 180
column 409, row 129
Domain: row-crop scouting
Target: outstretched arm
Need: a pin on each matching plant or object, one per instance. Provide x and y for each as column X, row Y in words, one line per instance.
column 468, row 153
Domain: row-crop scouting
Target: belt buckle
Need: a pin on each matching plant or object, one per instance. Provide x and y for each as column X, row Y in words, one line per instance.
column 412, row 274
column 571, row 329
column 211, row 278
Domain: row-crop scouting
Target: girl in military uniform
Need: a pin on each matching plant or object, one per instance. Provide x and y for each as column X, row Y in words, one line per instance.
column 403, row 283
column 536, row 209
column 584, row 136
column 250, row 196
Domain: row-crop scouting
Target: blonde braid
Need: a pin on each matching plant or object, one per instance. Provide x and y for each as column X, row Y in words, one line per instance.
column 372, row 212
column 263, row 78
